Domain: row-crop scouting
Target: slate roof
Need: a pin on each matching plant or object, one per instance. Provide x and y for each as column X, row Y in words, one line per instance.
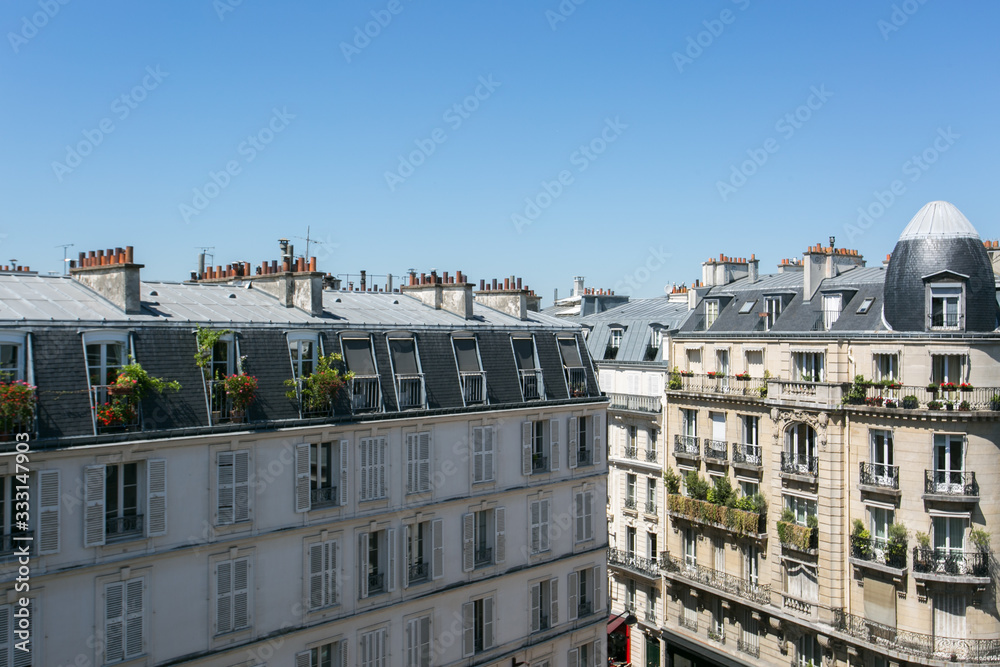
column 637, row 318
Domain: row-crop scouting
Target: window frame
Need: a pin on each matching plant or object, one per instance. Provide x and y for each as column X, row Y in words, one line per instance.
column 298, row 338
column 711, row 312
column 957, row 291
column 458, row 369
column 22, row 370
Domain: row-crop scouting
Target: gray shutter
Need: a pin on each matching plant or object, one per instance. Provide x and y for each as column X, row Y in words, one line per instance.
column 488, row 638
column 424, row 458
column 343, row 652
column 573, row 659
column 500, row 546
column 489, row 436
column 242, row 580
column 302, row 500
column 344, row 472
column 574, row 428
column 468, row 628
column 303, row 659
column 134, row 613
column 595, row 586
column 365, row 482
column 6, row 634
column 598, row 428
column 225, row 488
column 241, row 483
column 553, row 601
column 468, row 542
column 382, row 466
column 114, row 622
column 588, row 513
column 316, row 576
column 597, row 653
column 363, row 563
column 574, row 585
column 535, row 526
column 437, row 541
column 224, row 597
column 526, row 448
column 553, row 444
column 333, row 571
column 93, row 518
column 411, row 463
column 476, row 451
column 406, row 560
column 390, row 573
column 578, row 508
column 536, row 607
column 48, row 512
column 544, row 525
column 156, row 497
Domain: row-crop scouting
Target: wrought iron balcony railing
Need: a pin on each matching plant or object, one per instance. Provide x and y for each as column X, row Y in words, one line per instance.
column 951, row 562
column 366, row 393
column 751, row 648
column 880, row 474
column 583, row 457
column 418, row 572
column 11, row 542
column 799, row 464
column 376, row 582
column 539, row 463
column 951, row 483
column 634, row 403
column 484, row 556
column 630, row 503
column 647, row 567
column 922, row 646
column 879, row 551
column 651, row 508
column 747, row 454
column 323, row 496
column 717, row 450
column 576, row 380
column 113, row 411
column 473, row 387
column 584, row 608
column 689, row 623
column 651, row 456
column 686, row 445
column 123, row 526
column 732, row 385
column 722, row 581
column 631, row 452
column 531, row 384
column 410, row 390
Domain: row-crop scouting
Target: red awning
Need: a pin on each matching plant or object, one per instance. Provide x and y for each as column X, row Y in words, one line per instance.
column 616, row 623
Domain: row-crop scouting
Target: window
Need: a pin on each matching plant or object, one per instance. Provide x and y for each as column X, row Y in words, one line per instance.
column 303, row 350
column 630, row 596
column 544, row 597
column 749, row 641
column 477, row 624
column 689, row 422
column 11, row 645
column 947, row 368
column 13, row 492
column 719, row 554
column 800, row 581
column 808, row 652
column 614, row 343
column 233, row 502
column 484, row 539
column 949, row 463
column 576, row 376
column 886, row 366
column 949, row 535
column 689, row 547
column 406, row 368
column 751, row 570
column 527, row 368
column 418, row 462
column 424, row 546
column 585, row 655
column 332, row 654
column 832, row 305
column 799, row 456
column 374, row 652
column 13, row 364
column 233, row 591
column 801, row 508
column 321, row 475
column 585, row 592
column 772, row 309
column 749, row 451
column 808, row 366
column 749, row 487
column 651, row 606
column 747, row 307
column 630, row 480
column 650, row 495
column 223, row 361
column 585, row 436
column 539, row 525
column 124, row 501
column 754, row 360
column 630, row 540
column 584, row 514
column 418, row 642
column 883, row 470
column 377, row 561
column 881, row 519
column 105, row 360
column 374, row 468
column 866, row 305
column 694, row 361
column 946, row 309
column 482, row 453
column 711, row 312
column 324, row 574
column 651, row 550
column 717, row 623
column 540, row 446
column 366, row 392
column 124, row 619
column 470, row 370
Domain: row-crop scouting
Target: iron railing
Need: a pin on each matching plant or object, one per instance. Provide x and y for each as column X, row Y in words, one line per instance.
column 473, row 386
column 584, row 608
column 951, row 482
column 650, row 508
column 576, row 380
column 651, row 456
column 631, row 452
column 747, row 454
column 539, row 463
column 686, row 445
column 716, row 449
column 219, row 403
column 799, row 464
column 633, row 403
column 951, row 562
column 879, row 551
column 651, row 616
column 410, row 390
column 366, row 393
column 418, row 572
column 630, row 503
column 647, row 567
column 978, row 398
column 323, row 496
column 123, row 526
column 689, row 623
column 751, row 648
column 123, row 410
column 880, row 474
column 376, row 582
column 9, row 427
column 722, row 581
column 717, row 634
column 531, row 384
column 583, row 457
column 732, row 385
column 320, row 408
column 484, row 556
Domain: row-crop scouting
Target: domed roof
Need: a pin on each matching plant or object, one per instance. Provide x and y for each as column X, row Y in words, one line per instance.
column 939, row 245
column 939, row 220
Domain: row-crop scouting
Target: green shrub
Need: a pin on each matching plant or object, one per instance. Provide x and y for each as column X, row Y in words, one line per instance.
column 722, row 493
column 671, row 480
column 910, row 402
column 980, row 538
column 697, row 488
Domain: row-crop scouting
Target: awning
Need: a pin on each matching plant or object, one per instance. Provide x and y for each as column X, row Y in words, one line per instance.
column 615, row 623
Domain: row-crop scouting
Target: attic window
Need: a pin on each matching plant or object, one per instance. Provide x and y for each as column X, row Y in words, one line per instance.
column 470, row 370
column 576, row 377
column 711, row 312
column 366, row 393
column 747, row 307
column 866, row 305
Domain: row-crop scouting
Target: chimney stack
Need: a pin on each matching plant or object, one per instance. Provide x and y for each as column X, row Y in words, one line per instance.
column 445, row 292
column 509, row 297
column 113, row 275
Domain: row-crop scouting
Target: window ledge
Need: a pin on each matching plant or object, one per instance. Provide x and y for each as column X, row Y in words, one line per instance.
column 897, row 573
column 884, row 490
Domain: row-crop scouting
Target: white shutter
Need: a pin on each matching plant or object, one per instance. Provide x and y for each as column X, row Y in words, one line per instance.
column 406, row 556
column 333, row 571
column 437, row 543
column 363, row 563
column 23, row 658
column 133, row 617
column 468, row 628
column 317, row 576
column 489, row 435
column 225, row 487
column 411, row 463
column 595, row 587
column 390, row 574
column 302, row 501
column 114, row 622
column 241, row 483
column 382, row 446
column 93, row 518
column 553, row 602
column 223, row 597
column 574, row 428
column 48, row 512
column 468, row 542
column 535, row 523
column 345, row 473
column 573, row 588
column 156, row 497
column 536, row 607
column 588, row 513
column 242, row 580
column 526, row 430
column 544, row 525
column 553, row 444
column 342, row 647
column 488, row 623
column 598, row 662
column 365, row 484
column 478, row 473
column 578, row 507
column 500, row 546
column 598, row 429
column 424, row 461
column 573, row 659
column 303, row 659
column 424, row 642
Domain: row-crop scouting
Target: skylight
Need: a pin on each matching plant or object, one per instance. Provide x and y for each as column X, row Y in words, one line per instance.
column 746, row 307
column 866, row 305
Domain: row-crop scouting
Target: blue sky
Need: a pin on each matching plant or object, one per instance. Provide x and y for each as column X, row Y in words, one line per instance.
column 623, row 141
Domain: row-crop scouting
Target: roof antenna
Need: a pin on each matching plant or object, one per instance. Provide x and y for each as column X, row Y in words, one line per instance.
column 66, row 247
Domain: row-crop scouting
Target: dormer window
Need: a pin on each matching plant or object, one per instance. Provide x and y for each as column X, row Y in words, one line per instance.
column 711, row 312
column 406, row 371
column 946, row 305
column 304, row 351
column 747, row 307
column 832, row 306
column 527, row 368
column 576, row 376
column 223, row 362
column 106, row 354
column 470, row 370
column 614, row 343
column 366, row 393
column 772, row 310
column 13, row 360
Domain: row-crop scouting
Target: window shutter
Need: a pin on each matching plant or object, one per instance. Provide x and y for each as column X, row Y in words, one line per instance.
column 553, row 602
column 156, row 497
column 437, row 542
column 93, row 519
column 344, row 472
column 380, row 466
column 478, row 455
column 114, row 622
column 242, row 577
column 48, row 512
column 595, row 586
column 411, row 463
column 468, row 542
column 597, row 426
column 553, row 444
column 526, row 448
column 468, row 629
column 578, row 507
column 536, row 607
column 317, row 578
column 588, row 513
column 424, row 471
column 223, row 597
column 342, row 647
column 303, row 659
column 489, row 435
column 363, row 563
column 424, row 642
column 133, row 617
column 573, row 588
column 302, row 501
column 597, row 653
column 574, row 428
column 535, row 522
column 226, row 489
column 573, row 659
column 412, row 631
column 241, row 479
column 365, row 491
column 406, row 556
column 488, row 623
column 333, row 571
column 544, row 527
column 6, row 634
column 500, row 547
column 390, row 574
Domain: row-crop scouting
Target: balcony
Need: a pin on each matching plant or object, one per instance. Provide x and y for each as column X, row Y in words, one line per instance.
column 718, row 385
column 922, row 647
column 747, row 456
column 799, row 465
column 418, row 573
column 717, row 634
column 583, row 457
column 576, row 380
column 113, row 411
column 543, row 621
column 809, row 394
column 531, row 384
column 647, row 405
column 366, row 394
column 879, row 555
column 879, row 477
column 715, row 580
column 473, row 387
column 652, row 456
column 751, row 647
column 410, row 390
column 539, row 463
column 312, row 407
column 376, row 583
column 651, row 508
column 10, row 428
column 584, row 608
column 650, row 616
column 689, row 623
column 14, row 541
column 123, row 527
column 798, row 537
column 631, row 452
column 951, row 485
column 737, row 521
column 324, row 497
column 798, row 605
column 646, row 567
column 483, row 556
column 951, row 566
column 716, row 451
column 630, row 504
column 891, row 398
column 686, row 446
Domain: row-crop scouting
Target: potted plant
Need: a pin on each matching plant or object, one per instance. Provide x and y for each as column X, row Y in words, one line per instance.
column 981, row 539
column 923, row 539
column 964, row 405
column 889, row 403
column 910, row 402
column 116, row 413
column 934, row 405
column 896, row 548
column 687, row 374
column 671, row 481
column 319, row 389
column 965, row 386
column 995, row 402
column 861, row 544
column 933, row 387
column 240, row 389
column 207, row 338
column 135, row 381
column 17, row 405
column 743, row 376
column 675, row 380
column 711, row 374
column 947, row 386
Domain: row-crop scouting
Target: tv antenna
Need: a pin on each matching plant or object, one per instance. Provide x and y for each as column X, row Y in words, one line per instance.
column 308, row 240
column 66, row 247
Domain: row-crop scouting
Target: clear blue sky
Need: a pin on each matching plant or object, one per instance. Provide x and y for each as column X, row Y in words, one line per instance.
column 678, row 127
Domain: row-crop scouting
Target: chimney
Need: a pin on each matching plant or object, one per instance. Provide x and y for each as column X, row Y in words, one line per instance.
column 507, row 298
column 364, row 281
column 754, row 274
column 724, row 270
column 993, row 252
column 578, row 286
column 819, row 263
column 454, row 296
column 114, row 275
